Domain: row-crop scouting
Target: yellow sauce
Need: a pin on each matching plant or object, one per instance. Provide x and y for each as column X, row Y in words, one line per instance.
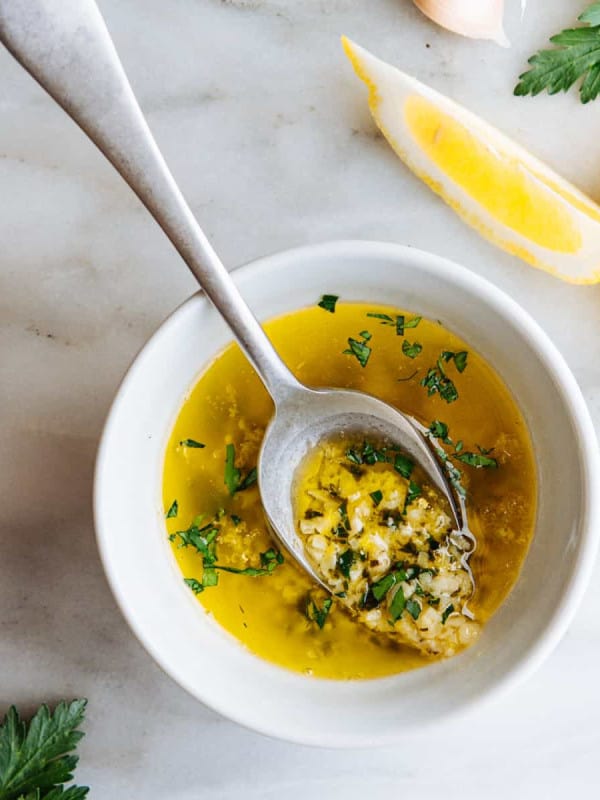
column 229, row 405
column 501, row 184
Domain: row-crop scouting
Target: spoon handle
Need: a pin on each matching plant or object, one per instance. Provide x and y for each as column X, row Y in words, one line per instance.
column 67, row 48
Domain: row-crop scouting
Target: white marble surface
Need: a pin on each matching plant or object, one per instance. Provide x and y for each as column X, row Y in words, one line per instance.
column 267, row 130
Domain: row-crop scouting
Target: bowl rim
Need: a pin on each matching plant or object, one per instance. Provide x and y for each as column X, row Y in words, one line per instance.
column 553, row 363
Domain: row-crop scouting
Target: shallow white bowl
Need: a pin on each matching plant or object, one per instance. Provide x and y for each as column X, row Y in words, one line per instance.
column 210, row 664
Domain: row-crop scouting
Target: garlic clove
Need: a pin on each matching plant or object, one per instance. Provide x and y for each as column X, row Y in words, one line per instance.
column 477, row 19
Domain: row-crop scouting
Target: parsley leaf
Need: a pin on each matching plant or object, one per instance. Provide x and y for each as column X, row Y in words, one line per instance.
column 269, row 560
column 400, row 322
column 328, row 301
column 477, row 460
column 384, row 318
column 414, row 491
column 360, row 350
column 439, row 430
column 191, row 443
column 411, row 350
column 173, row 510
column 34, row 759
column 316, row 614
column 577, row 56
column 397, row 605
column 436, row 380
column 376, row 497
column 233, row 475
column 446, row 613
column 380, row 588
column 460, row 359
column 194, row 584
column 345, row 561
column 413, row 608
column 403, row 465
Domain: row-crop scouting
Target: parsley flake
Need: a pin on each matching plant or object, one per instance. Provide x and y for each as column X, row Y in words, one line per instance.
column 319, row 615
column 411, row 350
column 328, row 301
column 345, row 561
column 233, row 476
column 397, row 605
column 403, row 465
column 413, row 608
column 477, row 460
column 173, row 510
column 436, row 381
column 191, row 443
column 359, row 349
column 376, row 497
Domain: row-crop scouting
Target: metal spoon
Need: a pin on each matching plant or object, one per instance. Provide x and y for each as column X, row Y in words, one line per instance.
column 66, row 47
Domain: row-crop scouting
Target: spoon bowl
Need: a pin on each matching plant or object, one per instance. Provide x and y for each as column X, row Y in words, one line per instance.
column 307, row 417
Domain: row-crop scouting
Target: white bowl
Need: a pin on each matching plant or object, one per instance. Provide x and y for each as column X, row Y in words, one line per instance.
column 212, row 665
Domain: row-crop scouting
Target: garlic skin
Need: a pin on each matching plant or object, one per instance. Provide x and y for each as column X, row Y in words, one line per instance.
column 477, row 19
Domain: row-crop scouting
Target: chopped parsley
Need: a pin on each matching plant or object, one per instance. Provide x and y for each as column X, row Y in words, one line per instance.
column 403, row 465
column 328, row 301
column 397, row 605
column 209, row 578
column 173, row 510
column 460, row 359
column 413, row 608
column 446, row 613
column 482, row 459
column 440, row 431
column 411, row 350
column 385, row 319
column 204, row 541
column 414, row 491
column 399, row 321
column 368, row 454
column 436, row 381
column 403, row 324
column 316, row 614
column 345, row 561
column 343, row 509
column 412, row 323
column 477, row 460
column 233, row 475
column 376, row 497
column 359, row 349
column 271, row 559
column 382, row 587
column 191, row 443
column 235, row 519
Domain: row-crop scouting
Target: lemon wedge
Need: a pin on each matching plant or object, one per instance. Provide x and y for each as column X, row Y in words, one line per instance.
column 506, row 194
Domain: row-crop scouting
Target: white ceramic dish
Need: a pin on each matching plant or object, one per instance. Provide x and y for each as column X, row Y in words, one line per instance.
column 210, row 664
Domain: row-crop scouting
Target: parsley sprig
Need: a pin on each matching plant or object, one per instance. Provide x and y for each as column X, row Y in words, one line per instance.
column 203, row 538
column 577, row 56
column 37, row 759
